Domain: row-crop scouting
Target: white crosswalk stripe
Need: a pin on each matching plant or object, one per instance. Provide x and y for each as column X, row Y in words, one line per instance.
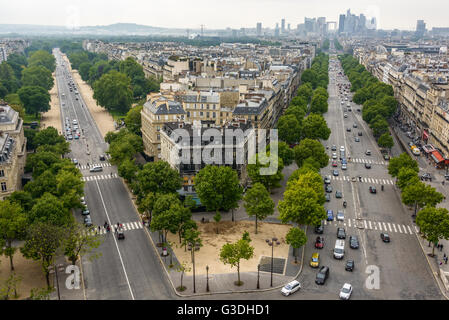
column 399, row 228
column 394, row 227
column 349, row 222
column 364, row 223
column 416, row 228
column 102, row 164
column 380, row 226
column 410, row 230
column 369, row 222
column 99, row 177
column 385, row 226
column 389, row 226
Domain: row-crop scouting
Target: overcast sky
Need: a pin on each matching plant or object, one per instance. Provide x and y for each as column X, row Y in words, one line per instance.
column 218, row 14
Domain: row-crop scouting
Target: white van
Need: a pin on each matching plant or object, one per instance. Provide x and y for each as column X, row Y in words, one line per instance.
column 339, row 249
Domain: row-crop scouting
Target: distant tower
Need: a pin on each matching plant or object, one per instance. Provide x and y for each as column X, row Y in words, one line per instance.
column 188, row 33
column 259, row 28
column 202, row 30
column 283, row 25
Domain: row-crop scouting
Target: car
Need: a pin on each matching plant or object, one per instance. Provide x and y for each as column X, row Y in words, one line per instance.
column 342, row 148
column 85, row 212
column 334, row 155
column 291, row 287
column 70, row 137
column 341, row 233
column 102, row 157
column 120, row 233
column 344, row 166
column 368, row 165
column 357, row 139
column 77, row 136
column 349, row 265
column 353, row 242
column 360, row 133
column 87, row 221
column 75, row 121
column 340, row 215
column 368, row 152
column 354, row 125
column 319, row 242
column 349, row 109
column 327, row 179
column 335, row 172
column 345, row 115
column 328, row 188
column 386, row 157
column 358, row 109
column 320, row 228
column 334, row 147
column 334, row 163
column 344, row 161
column 322, row 275
column 372, row 189
column 75, row 127
column 83, row 201
column 330, row 215
column 346, row 291
column 315, row 260
column 96, row 169
column 338, row 194
column 348, row 129
column 385, row 237
column 75, row 161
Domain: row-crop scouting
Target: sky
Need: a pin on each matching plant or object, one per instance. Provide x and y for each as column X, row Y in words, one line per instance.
column 220, row 14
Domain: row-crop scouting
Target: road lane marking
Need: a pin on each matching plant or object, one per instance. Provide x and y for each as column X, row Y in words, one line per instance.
column 380, row 226
column 349, row 222
column 389, row 227
column 385, row 226
column 399, row 227
column 410, row 230
column 115, row 241
column 416, row 228
column 370, row 226
column 394, row 227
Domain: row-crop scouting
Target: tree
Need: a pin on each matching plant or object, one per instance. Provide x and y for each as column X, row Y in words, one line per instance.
column 128, row 169
column 42, row 242
column 192, row 239
column 420, row 195
column 182, row 267
column 218, row 188
column 9, row 286
column 289, row 128
column 8, row 79
column 84, row 70
column 310, row 76
column 17, row 62
column 300, row 102
column 310, row 148
column 146, row 206
column 298, row 112
column 37, row 76
column 296, row 238
column 42, row 58
column 315, row 127
column 379, row 127
column 133, row 120
column 385, row 141
column 124, row 145
column 78, row 242
column 402, row 161
column 49, row 136
column 406, row 177
column 168, row 212
column 267, row 170
column 309, row 179
column 217, row 219
column 13, row 225
column 301, row 206
column 113, row 91
column 284, row 151
column 23, row 199
column 433, row 224
column 305, row 91
column 35, row 99
column 319, row 104
column 232, row 253
column 49, row 209
column 158, row 177
column 257, row 202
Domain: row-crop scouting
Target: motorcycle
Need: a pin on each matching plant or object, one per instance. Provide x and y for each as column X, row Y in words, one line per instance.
column 344, row 204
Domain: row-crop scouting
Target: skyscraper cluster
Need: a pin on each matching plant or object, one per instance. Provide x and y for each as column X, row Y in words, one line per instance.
column 353, row 24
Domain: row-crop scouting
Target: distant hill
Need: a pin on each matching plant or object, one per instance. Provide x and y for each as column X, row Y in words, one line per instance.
column 113, row 29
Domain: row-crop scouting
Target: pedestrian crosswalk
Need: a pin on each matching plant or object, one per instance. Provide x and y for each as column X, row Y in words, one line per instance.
column 126, row 227
column 101, row 164
column 99, row 177
column 359, row 160
column 365, row 180
column 388, row 227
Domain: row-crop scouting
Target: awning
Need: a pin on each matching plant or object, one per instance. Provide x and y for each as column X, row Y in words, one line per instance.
column 425, row 135
column 436, row 156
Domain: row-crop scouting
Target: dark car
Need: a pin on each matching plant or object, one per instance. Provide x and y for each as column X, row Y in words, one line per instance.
column 328, row 188
column 353, row 242
column 385, row 237
column 319, row 229
column 341, row 234
column 330, row 215
column 334, row 147
column 357, row 139
column 360, row 133
column 87, row 221
column 335, row 172
column 319, row 242
column 102, row 157
column 386, row 157
column 354, row 125
column 348, row 129
column 349, row 265
column 372, row 189
column 120, row 234
column 338, row 194
column 368, row 165
column 327, row 197
column 322, row 275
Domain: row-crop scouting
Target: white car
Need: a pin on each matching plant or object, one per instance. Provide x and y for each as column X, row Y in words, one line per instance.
column 290, row 288
column 346, row 291
column 342, row 148
column 334, row 155
column 340, row 215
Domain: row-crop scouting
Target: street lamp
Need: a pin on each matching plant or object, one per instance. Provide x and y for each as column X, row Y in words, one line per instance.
column 274, row 241
column 207, row 278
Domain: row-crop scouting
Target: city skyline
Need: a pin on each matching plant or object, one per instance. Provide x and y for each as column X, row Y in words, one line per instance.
column 182, row 15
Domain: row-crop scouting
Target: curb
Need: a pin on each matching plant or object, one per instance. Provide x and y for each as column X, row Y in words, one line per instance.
column 167, row 274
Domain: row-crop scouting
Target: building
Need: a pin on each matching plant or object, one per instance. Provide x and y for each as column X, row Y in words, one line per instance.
column 259, row 29
column 420, row 28
column 283, row 26
column 12, row 150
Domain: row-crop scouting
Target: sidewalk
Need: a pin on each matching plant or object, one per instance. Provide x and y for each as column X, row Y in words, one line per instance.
column 440, row 271
column 59, row 276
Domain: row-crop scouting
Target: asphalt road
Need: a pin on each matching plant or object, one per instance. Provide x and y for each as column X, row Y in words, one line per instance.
column 126, row 269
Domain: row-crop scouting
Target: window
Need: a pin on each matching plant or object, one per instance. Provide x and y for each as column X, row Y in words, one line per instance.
column 201, row 114
column 158, row 137
column 2, row 173
column 194, row 114
column 207, row 106
column 213, row 114
column 207, row 114
column 188, row 114
column 166, row 117
column 158, row 128
column 3, row 184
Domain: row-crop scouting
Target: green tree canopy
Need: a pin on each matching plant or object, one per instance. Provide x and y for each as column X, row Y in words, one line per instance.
column 232, row 253
column 266, row 169
column 257, row 202
column 44, row 59
column 402, row 161
column 133, row 120
column 37, row 76
column 314, row 126
column 310, row 148
column 385, row 141
column 296, row 238
column 35, row 99
column 158, row 177
column 289, row 128
column 434, row 224
column 113, row 91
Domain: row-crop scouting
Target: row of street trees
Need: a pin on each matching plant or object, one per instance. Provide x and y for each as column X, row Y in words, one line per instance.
column 433, row 222
column 376, row 97
column 41, row 213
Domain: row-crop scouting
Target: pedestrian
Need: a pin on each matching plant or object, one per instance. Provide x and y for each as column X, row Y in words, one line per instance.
column 441, row 247
column 444, row 255
column 442, row 182
column 99, row 228
column 445, row 260
column 441, row 262
column 105, row 224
